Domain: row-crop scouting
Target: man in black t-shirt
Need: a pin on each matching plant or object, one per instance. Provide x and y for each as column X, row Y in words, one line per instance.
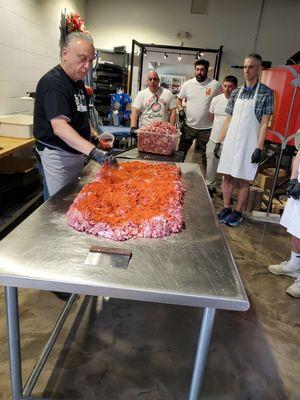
column 61, row 119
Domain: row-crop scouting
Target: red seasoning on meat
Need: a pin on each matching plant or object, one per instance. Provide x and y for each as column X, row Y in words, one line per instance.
column 136, row 200
column 158, row 137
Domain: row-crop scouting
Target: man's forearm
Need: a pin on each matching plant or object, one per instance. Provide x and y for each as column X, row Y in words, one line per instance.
column 263, row 131
column 173, row 116
column 134, row 117
column 179, row 104
column 69, row 135
column 224, row 130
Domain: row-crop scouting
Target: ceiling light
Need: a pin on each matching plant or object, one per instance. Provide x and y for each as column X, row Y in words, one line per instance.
column 179, row 57
column 201, row 54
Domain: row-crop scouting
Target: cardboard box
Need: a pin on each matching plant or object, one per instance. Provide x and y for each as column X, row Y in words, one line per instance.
column 277, row 205
column 265, row 178
column 255, row 198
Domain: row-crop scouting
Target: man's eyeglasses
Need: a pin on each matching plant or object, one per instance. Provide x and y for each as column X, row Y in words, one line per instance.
column 152, row 79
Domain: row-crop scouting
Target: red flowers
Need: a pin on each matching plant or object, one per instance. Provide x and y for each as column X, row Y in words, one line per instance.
column 74, row 23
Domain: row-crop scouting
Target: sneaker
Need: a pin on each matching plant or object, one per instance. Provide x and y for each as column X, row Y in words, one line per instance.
column 234, row 219
column 285, row 268
column 294, row 289
column 223, row 214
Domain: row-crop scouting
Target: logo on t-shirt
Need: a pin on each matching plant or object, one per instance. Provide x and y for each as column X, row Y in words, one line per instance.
column 155, row 107
column 80, row 102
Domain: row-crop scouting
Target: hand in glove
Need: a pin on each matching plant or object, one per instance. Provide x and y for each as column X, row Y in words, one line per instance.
column 182, row 116
column 293, row 189
column 103, row 157
column 132, row 132
column 256, row 156
column 217, row 150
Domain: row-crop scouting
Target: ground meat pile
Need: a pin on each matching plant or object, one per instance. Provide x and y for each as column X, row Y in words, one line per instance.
column 158, row 137
column 135, row 200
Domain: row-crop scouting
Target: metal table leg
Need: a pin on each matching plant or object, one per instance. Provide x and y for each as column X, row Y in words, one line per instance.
column 12, row 314
column 202, row 352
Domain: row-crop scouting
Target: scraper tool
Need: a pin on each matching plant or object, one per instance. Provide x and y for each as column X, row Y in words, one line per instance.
column 109, row 257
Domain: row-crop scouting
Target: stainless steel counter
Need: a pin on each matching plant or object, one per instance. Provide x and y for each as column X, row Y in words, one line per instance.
column 135, row 154
column 194, row 267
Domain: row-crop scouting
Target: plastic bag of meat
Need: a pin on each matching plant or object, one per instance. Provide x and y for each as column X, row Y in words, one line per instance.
column 158, row 137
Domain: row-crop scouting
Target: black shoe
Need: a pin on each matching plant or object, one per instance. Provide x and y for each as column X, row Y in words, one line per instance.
column 62, row 295
column 211, row 191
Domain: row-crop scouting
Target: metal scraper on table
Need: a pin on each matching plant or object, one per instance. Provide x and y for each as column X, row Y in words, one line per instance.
column 108, row 257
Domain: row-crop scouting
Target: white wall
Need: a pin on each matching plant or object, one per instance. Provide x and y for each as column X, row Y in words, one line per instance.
column 29, row 33
column 29, row 37
column 231, row 23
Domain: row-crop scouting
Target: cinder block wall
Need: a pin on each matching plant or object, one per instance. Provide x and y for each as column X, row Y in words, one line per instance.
column 28, row 47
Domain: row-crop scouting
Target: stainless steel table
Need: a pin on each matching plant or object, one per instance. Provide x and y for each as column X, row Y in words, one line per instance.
column 135, row 154
column 194, row 267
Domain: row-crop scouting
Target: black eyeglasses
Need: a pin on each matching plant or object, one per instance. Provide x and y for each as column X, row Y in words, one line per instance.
column 152, row 79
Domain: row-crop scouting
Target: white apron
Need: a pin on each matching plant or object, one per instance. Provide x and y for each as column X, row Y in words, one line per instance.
column 241, row 140
column 291, row 215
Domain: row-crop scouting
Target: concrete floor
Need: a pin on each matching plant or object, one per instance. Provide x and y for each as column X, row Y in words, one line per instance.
column 134, row 350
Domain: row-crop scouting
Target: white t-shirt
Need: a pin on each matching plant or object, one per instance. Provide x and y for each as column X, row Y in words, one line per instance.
column 154, row 106
column 198, row 97
column 217, row 107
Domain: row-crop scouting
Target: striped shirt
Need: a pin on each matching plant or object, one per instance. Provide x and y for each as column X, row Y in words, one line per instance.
column 264, row 103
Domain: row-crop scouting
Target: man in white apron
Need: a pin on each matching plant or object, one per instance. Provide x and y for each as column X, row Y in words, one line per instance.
column 250, row 108
column 291, row 220
column 217, row 110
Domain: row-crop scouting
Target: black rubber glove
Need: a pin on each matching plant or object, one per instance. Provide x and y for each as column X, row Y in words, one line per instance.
column 132, row 132
column 103, row 157
column 217, row 150
column 182, row 116
column 256, row 156
column 293, row 189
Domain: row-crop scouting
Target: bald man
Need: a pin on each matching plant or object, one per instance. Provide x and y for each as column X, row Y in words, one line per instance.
column 153, row 104
column 61, row 118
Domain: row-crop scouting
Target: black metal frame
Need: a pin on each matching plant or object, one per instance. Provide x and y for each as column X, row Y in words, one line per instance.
column 178, row 49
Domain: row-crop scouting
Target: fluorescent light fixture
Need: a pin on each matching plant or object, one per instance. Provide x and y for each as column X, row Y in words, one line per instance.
column 179, row 57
